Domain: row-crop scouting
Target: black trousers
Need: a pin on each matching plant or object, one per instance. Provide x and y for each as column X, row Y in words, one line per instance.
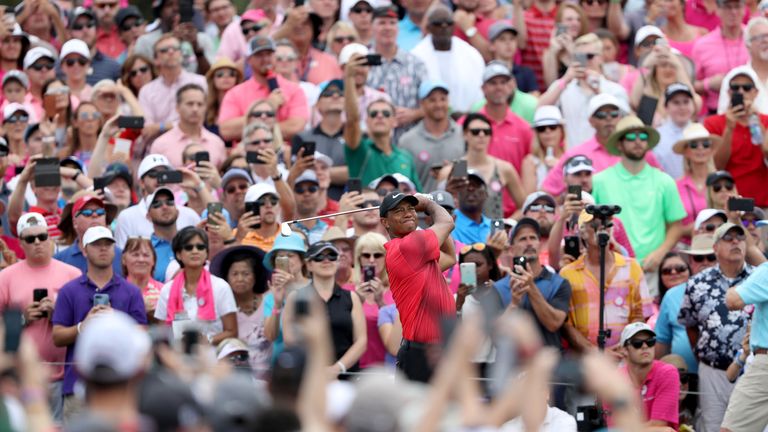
column 412, row 361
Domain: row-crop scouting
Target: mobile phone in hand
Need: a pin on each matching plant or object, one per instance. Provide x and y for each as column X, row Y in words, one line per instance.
column 202, row 156
column 518, row 261
column 737, row 99
column 741, row 204
column 496, row 226
column 309, row 148
column 459, row 168
column 373, row 60
column 369, row 273
column 255, row 209
column 252, row 157
column 468, row 273
column 354, row 185
column 101, row 299
column 214, row 208
column 572, row 246
column 574, row 190
column 130, row 122
column 38, row 294
column 168, row 177
column 272, row 84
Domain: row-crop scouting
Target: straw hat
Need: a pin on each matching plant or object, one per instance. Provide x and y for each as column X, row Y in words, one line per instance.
column 224, row 63
column 694, row 132
column 630, row 123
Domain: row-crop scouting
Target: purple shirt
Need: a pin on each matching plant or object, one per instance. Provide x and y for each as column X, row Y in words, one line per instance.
column 74, row 302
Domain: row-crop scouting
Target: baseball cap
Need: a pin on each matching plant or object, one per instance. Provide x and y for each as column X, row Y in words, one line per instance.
column 716, row 176
column 323, row 86
column 706, row 214
column 29, row 220
column 83, row 200
column 522, row 223
column 323, row 158
column 444, row 199
column 123, row 14
column 258, row 44
column 547, row 115
column 97, row 233
column 75, row 46
column 403, row 179
column 632, row 329
column 348, row 51
column 532, row 198
column 12, row 108
column 647, row 31
column 389, row 11
column 494, row 69
column 605, row 99
column 112, row 348
column 724, row 228
column 393, row 199
column 78, row 12
column 17, row 75
column 427, row 87
column 293, row 242
column 158, row 191
column 307, row 176
column 386, row 177
column 36, row 54
column 500, row 27
column 701, row 244
column 229, row 346
column 237, row 404
column 475, row 174
column 259, row 190
column 119, row 170
column 317, row 248
column 676, row 88
column 151, row 162
column 234, row 173
column 576, row 164
column 348, row 5
column 254, row 15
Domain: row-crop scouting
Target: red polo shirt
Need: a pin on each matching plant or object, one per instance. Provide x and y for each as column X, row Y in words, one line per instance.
column 418, row 286
column 109, row 42
column 539, row 25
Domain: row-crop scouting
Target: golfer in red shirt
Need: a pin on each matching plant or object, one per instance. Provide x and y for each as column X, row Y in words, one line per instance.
column 415, row 275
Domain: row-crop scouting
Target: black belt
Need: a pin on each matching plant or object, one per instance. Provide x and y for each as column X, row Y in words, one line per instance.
column 716, row 365
column 411, row 344
column 758, row 351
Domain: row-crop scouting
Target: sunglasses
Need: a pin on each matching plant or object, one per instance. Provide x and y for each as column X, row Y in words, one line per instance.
column 272, row 200
column 225, row 73
column 637, row 344
column 479, row 247
column 304, row 189
column 105, row 5
column 154, row 174
column 342, row 39
column 443, row 23
column 260, row 141
column 371, row 203
column 252, row 29
column 747, row 222
column 693, row 145
column 702, row 258
column 91, row 212
column 541, row 207
column 743, row 87
column 30, row 239
column 710, row 227
column 546, row 128
column 648, row 42
column 331, row 93
column 198, row 246
column 718, row 187
column 156, row 204
column 260, row 114
column 674, row 269
column 90, row 116
column 40, row 66
column 78, row 26
column 375, row 113
column 129, row 26
column 376, row 255
column 732, row 237
column 359, row 10
column 332, row 257
column 633, row 136
column 285, row 58
column 478, row 131
column 166, row 50
column 140, row 70
column 17, row 119
column 602, row 115
column 233, row 189
column 73, row 61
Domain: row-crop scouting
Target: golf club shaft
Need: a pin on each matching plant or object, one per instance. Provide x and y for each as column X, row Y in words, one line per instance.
column 333, row 215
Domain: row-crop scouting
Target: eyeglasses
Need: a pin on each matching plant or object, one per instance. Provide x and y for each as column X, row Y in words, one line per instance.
column 442, row 23
column 19, row 118
column 382, row 192
column 371, row 203
column 233, row 189
column 759, row 38
column 40, row 66
column 743, row 87
column 546, row 128
column 91, row 212
column 260, row 141
column 332, row 257
column 139, row 70
column 198, row 246
column 272, row 200
column 331, row 93
column 638, row 343
column 260, row 114
column 602, row 115
column 719, row 186
column 731, row 237
column 702, row 258
column 30, row 239
column 89, row 116
column 239, row 357
column 168, row 49
column 710, row 227
column 154, row 173
column 72, row 61
column 478, row 131
column 342, row 39
column 225, row 73
column 156, row 204
column 747, row 222
column 633, row 136
column 360, row 10
column 80, row 26
column 128, row 26
column 376, row 255
column 375, row 113
column 304, row 189
column 541, row 207
column 252, row 29
column 285, row 58
column 680, row 268
column 479, row 247
column 693, row 145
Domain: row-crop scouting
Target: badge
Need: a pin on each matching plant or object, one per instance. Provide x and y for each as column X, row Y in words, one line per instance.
column 644, row 391
column 619, row 301
column 496, row 186
column 201, row 302
column 423, row 156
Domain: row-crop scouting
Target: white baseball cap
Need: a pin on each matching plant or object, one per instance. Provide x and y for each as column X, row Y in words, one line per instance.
column 605, row 99
column 324, row 158
column 645, row 32
column 29, row 220
column 632, row 329
column 229, row 346
column 152, row 161
column 547, row 115
column 75, row 46
column 97, row 233
column 259, row 190
column 112, row 348
column 36, row 54
column 706, row 214
column 12, row 108
column 353, row 48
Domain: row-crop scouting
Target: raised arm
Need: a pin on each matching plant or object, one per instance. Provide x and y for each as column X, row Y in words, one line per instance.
column 443, row 221
column 352, row 132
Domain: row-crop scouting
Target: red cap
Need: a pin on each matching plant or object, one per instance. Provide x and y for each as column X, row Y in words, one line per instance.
column 82, row 201
column 254, row 15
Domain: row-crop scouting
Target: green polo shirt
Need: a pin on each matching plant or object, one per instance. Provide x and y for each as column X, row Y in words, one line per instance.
column 648, row 200
column 369, row 163
column 523, row 104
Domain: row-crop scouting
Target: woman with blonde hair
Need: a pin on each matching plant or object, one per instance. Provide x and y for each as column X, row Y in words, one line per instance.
column 571, row 23
column 223, row 75
column 548, row 147
column 340, row 35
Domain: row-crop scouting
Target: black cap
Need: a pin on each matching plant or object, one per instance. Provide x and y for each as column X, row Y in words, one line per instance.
column 127, row 12
column 119, row 170
column 719, row 175
column 522, row 223
column 78, row 12
column 393, row 199
column 674, row 89
column 318, row 247
column 386, row 12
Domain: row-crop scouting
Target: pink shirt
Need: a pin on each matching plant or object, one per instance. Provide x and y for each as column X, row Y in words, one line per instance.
column 232, row 45
column 511, row 139
column 17, row 283
column 172, row 143
column 158, row 99
column 239, row 98
column 730, row 53
column 318, row 67
column 660, row 392
column 554, row 183
column 374, row 351
column 693, row 200
column 696, row 15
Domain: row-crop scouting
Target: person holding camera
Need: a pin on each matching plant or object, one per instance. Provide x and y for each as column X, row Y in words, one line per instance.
column 262, row 229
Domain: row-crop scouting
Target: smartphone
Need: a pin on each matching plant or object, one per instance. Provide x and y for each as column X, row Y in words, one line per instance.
column 168, row 177
column 647, row 109
column 272, row 84
column 369, row 273
column 99, row 183
column 252, row 157
column 130, row 122
column 354, row 185
column 518, row 261
column 18, row 169
column 741, row 204
column 47, row 172
column 309, row 148
column 255, row 209
column 13, row 328
column 123, row 145
column 49, row 105
column 38, row 294
column 496, row 225
column 282, row 263
column 468, row 273
column 189, row 340
column 574, row 190
column 202, row 156
column 572, row 246
column 580, row 58
column 214, row 208
column 186, row 11
column 737, row 99
column 561, row 29
column 373, row 59
column 101, row 299
column 301, row 306
column 459, row 168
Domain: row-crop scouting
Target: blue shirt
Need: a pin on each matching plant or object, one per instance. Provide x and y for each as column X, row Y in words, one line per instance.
column 74, row 302
column 74, row 257
column 670, row 332
column 315, row 234
column 754, row 291
column 164, row 254
column 409, row 34
column 468, row 231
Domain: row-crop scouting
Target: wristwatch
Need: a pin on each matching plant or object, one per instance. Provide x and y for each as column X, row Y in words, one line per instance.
column 471, row 32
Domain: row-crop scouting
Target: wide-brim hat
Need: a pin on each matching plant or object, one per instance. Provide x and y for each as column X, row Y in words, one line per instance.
column 630, row 123
column 693, row 132
column 223, row 260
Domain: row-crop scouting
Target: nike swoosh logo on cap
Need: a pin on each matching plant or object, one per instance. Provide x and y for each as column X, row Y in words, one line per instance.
column 396, row 195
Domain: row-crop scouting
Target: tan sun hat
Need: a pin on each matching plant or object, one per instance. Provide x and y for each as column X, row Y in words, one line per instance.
column 630, row 123
column 695, row 132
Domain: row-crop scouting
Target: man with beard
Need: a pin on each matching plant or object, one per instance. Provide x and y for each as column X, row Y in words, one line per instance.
column 651, row 207
column 162, row 212
column 534, row 288
column 267, row 198
column 540, row 206
column 472, row 226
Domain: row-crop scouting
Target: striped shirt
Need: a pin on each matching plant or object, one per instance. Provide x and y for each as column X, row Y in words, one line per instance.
column 539, row 25
column 626, row 297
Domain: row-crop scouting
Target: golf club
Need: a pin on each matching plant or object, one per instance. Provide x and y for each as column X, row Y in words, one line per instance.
column 285, row 227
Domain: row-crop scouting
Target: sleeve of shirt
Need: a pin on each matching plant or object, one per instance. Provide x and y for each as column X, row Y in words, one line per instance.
column 665, row 403
column 230, row 107
column 755, row 288
column 420, row 246
column 386, row 316
column 562, row 299
column 296, row 106
column 225, row 301
column 63, row 312
column 640, row 298
column 713, row 125
column 553, row 183
column 687, row 315
column 673, row 206
column 136, row 306
column 161, row 310
column 5, row 294
column 663, row 325
column 269, row 304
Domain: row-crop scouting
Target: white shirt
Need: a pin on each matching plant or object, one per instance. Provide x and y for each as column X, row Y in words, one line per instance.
column 461, row 69
column 555, row 421
column 133, row 222
column 223, row 299
column 573, row 104
column 487, row 352
column 671, row 162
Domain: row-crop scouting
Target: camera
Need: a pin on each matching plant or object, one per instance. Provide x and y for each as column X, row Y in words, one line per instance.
column 603, row 211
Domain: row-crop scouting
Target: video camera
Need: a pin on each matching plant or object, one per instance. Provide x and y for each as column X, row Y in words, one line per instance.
column 603, row 212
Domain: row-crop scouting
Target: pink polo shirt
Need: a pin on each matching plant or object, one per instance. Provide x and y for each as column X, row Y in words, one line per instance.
column 554, row 183
column 693, row 200
column 172, row 143
column 730, row 53
column 660, row 392
column 318, row 67
column 239, row 98
column 696, row 14
column 511, row 139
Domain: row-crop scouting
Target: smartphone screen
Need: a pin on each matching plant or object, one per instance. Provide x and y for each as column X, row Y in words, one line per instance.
column 13, row 327
column 354, row 185
column 468, row 273
column 737, row 99
column 647, row 109
column 168, row 177
column 459, row 168
column 574, row 190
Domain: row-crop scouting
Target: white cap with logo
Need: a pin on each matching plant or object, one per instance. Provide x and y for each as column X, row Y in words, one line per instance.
column 29, row 220
column 632, row 329
column 97, row 233
column 152, row 161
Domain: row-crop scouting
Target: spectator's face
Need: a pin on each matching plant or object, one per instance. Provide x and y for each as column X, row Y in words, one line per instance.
column 37, row 250
column 594, row 55
column 720, row 191
column 702, row 262
column 478, row 135
column 368, row 218
column 250, row 28
column 401, row 220
column 504, row 47
column 680, row 108
column 194, row 258
column 224, row 79
column 46, row 194
column 758, row 42
column 259, row 140
column 106, row 10
column 604, row 121
column 40, row 72
column 385, row 188
column 131, row 29
column 302, row 35
column 595, row 8
column 13, row 91
column 331, row 101
column 634, row 145
column 610, row 51
column 269, row 209
column 100, row 254
column 241, row 277
column 550, row 135
column 307, row 198
column 385, row 31
column 441, row 26
column 169, row 14
column 149, row 181
column 572, row 22
column 75, row 67
column 264, row 113
column 139, row 262
column 97, row 217
column 88, row 120
column 10, row 48
column 191, row 108
column 121, row 192
column 731, row 248
column 498, row 89
column 16, row 124
column 710, row 225
column 542, row 211
column 323, row 172
column 168, row 53
column 473, row 197
column 646, row 46
column 588, row 232
column 361, row 16
column 234, row 194
column 731, row 13
column 84, row 29
column 581, row 178
column 748, row 222
column 163, row 211
column 286, row 62
column 326, row 9
column 325, row 265
column 381, row 119
column 262, row 62
column 220, row 12
column 436, row 105
column 744, row 85
column 674, row 271
column 644, row 355
column 699, row 151
column 526, row 243
column 345, row 254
